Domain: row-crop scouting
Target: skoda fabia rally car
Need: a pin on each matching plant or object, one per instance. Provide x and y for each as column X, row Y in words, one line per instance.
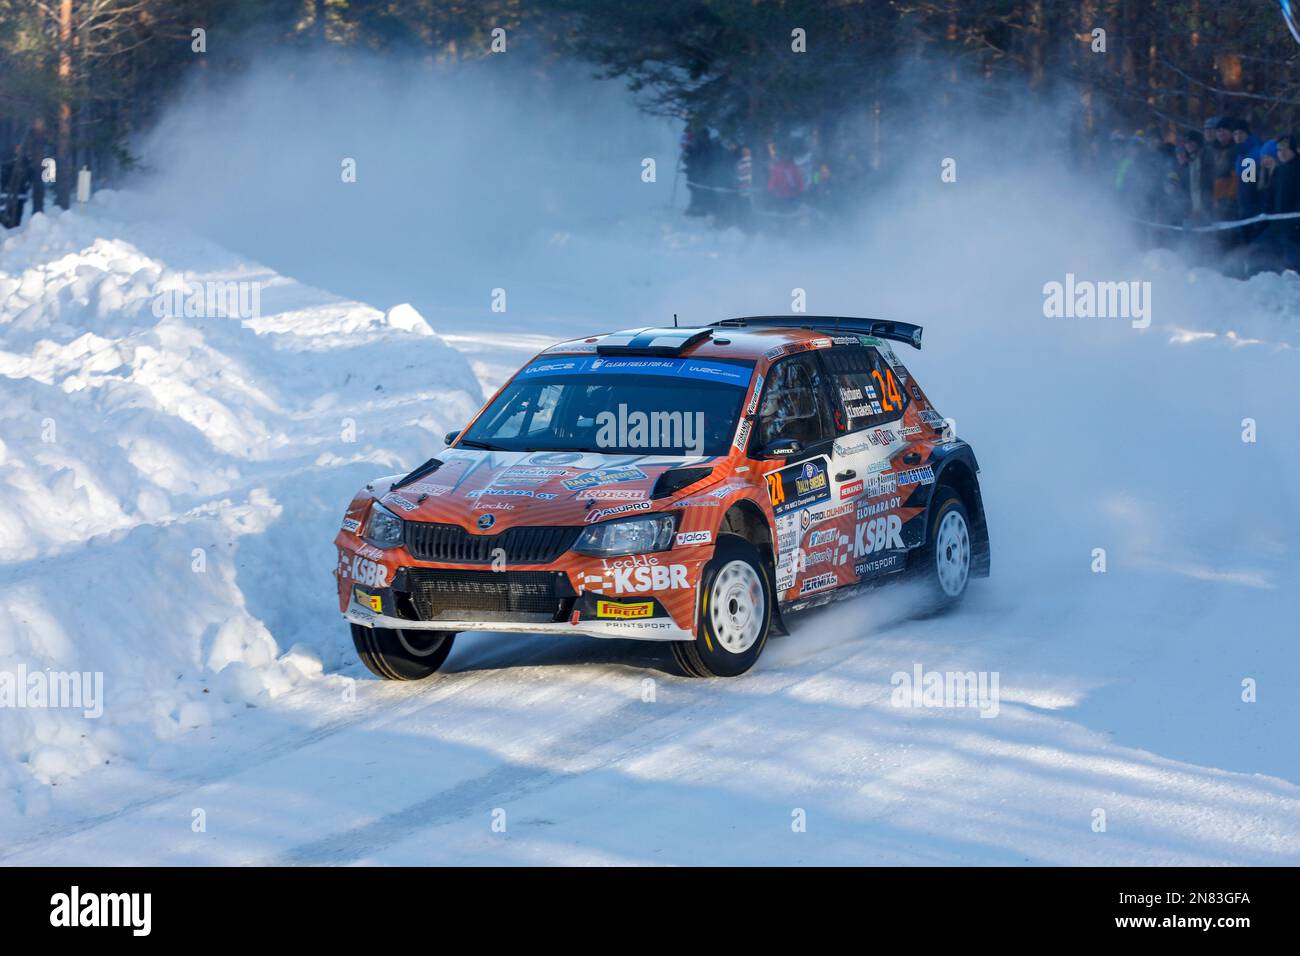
column 697, row 486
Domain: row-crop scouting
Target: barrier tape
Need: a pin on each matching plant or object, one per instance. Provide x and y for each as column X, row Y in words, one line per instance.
column 1223, row 226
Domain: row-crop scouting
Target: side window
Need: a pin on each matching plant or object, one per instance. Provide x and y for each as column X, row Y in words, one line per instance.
column 869, row 391
column 794, row 404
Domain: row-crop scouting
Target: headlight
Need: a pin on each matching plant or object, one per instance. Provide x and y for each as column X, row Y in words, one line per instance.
column 383, row 528
column 628, row 536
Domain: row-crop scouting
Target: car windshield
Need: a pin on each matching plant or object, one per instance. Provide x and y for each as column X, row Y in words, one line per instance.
column 630, row 405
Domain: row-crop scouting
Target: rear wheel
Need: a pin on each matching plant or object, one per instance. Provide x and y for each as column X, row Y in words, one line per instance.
column 401, row 654
column 948, row 554
column 734, row 613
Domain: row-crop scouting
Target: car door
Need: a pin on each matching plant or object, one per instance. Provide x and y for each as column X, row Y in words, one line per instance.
column 870, row 458
column 797, row 405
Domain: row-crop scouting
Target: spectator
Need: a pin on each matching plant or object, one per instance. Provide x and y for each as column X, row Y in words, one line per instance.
column 1284, row 188
column 1199, row 174
column 699, row 157
column 1277, row 247
column 1173, row 200
column 1267, row 164
column 745, row 186
column 785, row 184
column 1224, row 164
column 15, row 180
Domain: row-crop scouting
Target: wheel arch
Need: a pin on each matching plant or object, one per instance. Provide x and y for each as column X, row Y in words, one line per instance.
column 746, row 519
column 955, row 466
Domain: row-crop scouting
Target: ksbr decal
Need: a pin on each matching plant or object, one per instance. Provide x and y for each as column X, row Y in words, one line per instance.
column 639, row 574
column 878, row 534
column 662, row 577
column 363, row 571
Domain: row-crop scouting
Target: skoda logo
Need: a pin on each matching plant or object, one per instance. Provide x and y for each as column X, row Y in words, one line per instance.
column 486, row 521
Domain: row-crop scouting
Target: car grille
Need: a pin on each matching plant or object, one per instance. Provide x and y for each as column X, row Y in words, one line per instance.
column 454, row 545
column 455, row 595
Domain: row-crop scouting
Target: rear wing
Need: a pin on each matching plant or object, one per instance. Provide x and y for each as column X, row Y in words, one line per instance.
column 880, row 328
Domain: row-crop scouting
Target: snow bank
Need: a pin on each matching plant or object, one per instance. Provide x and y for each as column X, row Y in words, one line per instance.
column 173, row 478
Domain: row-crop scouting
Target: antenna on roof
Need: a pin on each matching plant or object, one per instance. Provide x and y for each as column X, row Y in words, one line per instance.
column 674, row 320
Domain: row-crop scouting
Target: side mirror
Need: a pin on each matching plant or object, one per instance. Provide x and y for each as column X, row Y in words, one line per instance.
column 450, row 437
column 780, row 448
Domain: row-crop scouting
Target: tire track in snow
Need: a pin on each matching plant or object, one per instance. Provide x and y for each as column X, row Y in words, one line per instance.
column 380, row 712
column 509, row 782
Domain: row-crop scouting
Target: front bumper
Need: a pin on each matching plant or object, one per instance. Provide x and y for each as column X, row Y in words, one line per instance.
column 653, row 629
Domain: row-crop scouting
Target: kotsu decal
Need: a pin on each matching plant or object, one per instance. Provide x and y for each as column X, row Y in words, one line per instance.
column 600, row 514
column 613, row 494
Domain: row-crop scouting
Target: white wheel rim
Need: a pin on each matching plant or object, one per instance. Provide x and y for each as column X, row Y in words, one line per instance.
column 737, row 606
column 952, row 553
column 417, row 651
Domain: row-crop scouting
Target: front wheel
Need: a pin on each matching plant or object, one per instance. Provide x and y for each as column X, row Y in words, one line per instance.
column 394, row 654
column 734, row 613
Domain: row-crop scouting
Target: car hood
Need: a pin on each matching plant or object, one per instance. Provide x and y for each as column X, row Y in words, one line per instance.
column 489, row 491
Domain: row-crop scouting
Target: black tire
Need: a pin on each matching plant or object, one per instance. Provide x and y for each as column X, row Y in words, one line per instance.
column 945, row 569
column 401, row 655
column 706, row 656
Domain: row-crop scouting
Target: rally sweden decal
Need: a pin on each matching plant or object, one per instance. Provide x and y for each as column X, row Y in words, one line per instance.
column 799, row 486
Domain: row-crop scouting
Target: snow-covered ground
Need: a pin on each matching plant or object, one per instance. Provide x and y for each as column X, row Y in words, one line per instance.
column 172, row 486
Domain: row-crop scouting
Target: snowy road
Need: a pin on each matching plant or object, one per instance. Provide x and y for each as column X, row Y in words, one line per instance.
column 560, row 738
column 239, row 729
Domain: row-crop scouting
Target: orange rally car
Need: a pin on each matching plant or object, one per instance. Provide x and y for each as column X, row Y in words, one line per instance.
column 691, row 485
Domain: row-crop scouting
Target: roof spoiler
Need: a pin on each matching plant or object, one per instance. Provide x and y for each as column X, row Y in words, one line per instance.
column 880, row 328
